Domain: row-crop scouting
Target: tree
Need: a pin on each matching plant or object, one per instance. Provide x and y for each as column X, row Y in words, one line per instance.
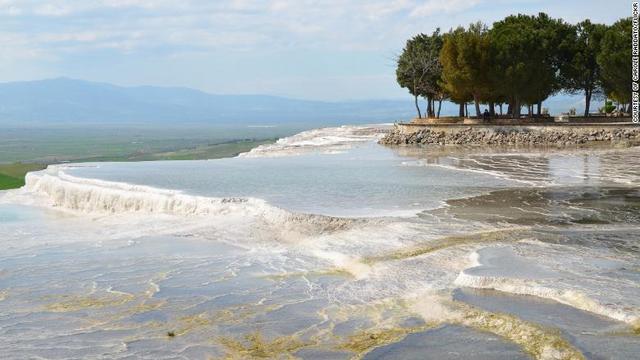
column 514, row 41
column 581, row 72
column 615, row 61
column 521, row 60
column 465, row 59
column 527, row 57
column 418, row 69
column 553, row 37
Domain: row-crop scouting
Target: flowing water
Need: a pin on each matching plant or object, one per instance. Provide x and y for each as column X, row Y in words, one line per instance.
column 326, row 245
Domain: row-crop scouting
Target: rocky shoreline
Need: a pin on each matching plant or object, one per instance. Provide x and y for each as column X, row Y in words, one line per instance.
column 546, row 136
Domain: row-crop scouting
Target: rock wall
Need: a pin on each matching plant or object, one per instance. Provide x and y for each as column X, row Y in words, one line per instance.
column 510, row 135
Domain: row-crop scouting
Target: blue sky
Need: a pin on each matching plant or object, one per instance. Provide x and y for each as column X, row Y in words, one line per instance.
column 329, row 50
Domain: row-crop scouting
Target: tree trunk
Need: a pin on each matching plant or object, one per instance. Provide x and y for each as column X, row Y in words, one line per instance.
column 529, row 110
column 466, row 110
column 516, row 109
column 501, row 109
column 477, row 103
column 587, row 102
column 539, row 108
column 461, row 110
column 439, row 107
column 417, row 107
column 492, row 109
column 510, row 108
column 429, row 110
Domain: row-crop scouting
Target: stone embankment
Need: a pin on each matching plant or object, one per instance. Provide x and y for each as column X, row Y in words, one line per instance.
column 510, row 135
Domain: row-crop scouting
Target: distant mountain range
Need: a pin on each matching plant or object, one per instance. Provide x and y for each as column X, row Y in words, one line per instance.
column 64, row 100
column 68, row 100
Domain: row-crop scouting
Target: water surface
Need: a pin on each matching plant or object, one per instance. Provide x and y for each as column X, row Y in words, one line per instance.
column 327, row 245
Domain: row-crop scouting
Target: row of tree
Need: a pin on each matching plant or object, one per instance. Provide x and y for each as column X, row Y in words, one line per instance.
column 520, row 61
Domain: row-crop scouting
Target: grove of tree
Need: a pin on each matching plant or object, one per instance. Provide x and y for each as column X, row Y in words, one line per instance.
column 519, row 61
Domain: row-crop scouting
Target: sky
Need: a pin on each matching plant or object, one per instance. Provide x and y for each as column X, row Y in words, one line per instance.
column 308, row 49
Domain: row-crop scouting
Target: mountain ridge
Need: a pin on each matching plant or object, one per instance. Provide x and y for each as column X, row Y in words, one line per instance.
column 70, row 100
column 65, row 100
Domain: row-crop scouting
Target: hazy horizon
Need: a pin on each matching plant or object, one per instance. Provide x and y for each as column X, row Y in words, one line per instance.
column 66, row 100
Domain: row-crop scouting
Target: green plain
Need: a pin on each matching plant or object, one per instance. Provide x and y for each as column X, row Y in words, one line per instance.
column 31, row 148
column 12, row 175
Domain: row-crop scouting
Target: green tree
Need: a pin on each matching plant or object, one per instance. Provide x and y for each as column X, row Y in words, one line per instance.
column 466, row 60
column 615, row 61
column 527, row 58
column 553, row 39
column 419, row 70
column 581, row 71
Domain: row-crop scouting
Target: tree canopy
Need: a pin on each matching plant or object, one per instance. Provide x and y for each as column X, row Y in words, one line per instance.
column 419, row 69
column 615, row 61
column 527, row 58
column 581, row 71
column 466, row 61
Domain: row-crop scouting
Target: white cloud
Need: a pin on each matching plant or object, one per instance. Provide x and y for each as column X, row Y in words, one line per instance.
column 230, row 23
column 52, row 10
column 378, row 10
column 432, row 7
column 327, row 34
column 8, row 8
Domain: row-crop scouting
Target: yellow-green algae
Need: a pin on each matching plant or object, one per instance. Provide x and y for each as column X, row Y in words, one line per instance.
column 254, row 345
column 386, row 316
column 489, row 236
column 364, row 341
column 192, row 322
column 231, row 315
column 540, row 342
column 109, row 298
column 309, row 274
column 76, row 303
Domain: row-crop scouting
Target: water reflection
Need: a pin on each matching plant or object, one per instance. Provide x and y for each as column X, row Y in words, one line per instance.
column 536, row 167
